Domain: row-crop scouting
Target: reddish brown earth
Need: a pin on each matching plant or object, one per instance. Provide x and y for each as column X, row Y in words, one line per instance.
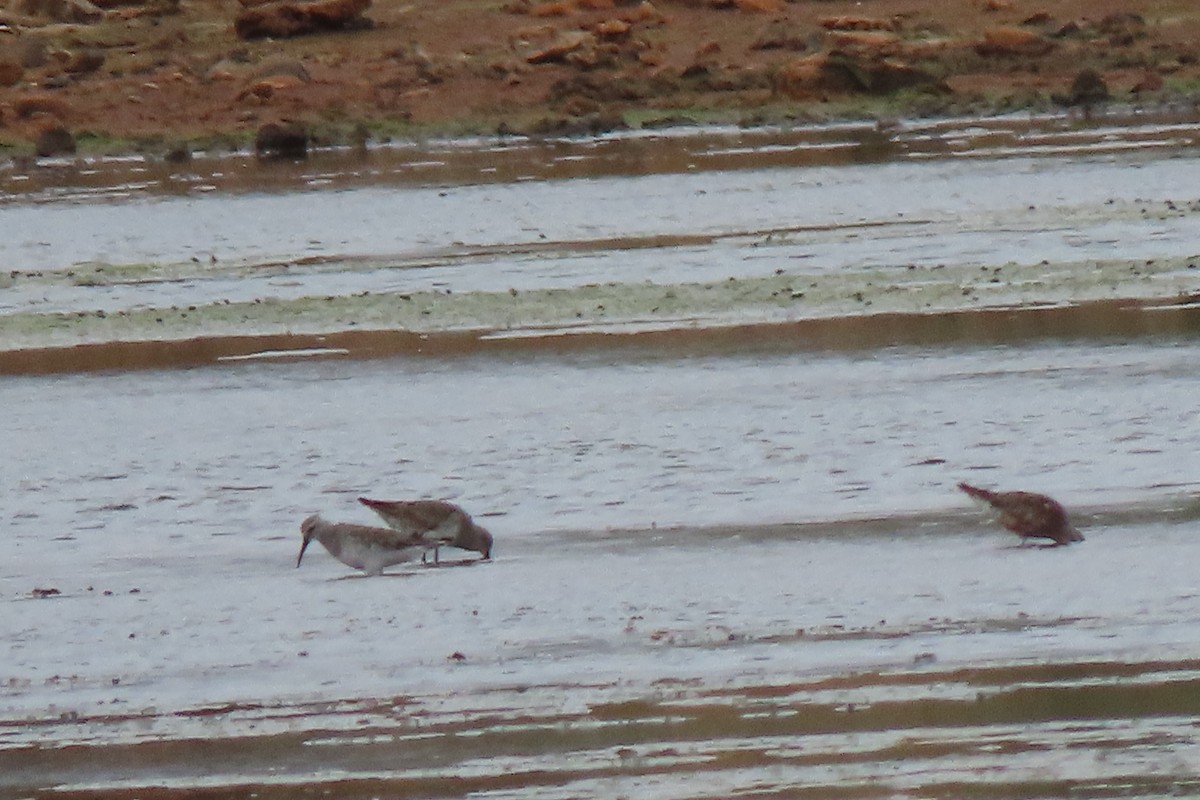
column 155, row 73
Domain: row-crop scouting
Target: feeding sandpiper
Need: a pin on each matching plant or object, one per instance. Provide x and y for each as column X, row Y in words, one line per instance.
column 362, row 546
column 1028, row 514
column 437, row 521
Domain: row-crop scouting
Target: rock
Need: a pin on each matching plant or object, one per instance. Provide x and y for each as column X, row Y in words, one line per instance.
column 11, row 72
column 651, row 58
column 40, row 104
column 760, row 6
column 281, row 140
column 144, row 5
column 179, row 153
column 558, row 49
column 1122, row 28
column 807, row 77
column 53, row 140
column 859, row 24
column 1150, row 82
column 586, row 125
column 33, row 52
column 19, row 55
column 877, row 42
column 815, row 75
column 281, row 67
column 612, row 29
column 283, row 19
column 266, row 88
column 1087, row 89
column 85, row 61
column 338, row 14
column 78, row 11
column 884, row 76
column 1072, row 28
column 554, row 8
column 603, row 89
column 735, row 79
column 645, row 11
column 782, row 35
column 273, row 20
column 1013, row 42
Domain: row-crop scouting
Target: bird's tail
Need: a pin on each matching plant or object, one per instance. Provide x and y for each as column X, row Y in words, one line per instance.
column 979, row 494
column 369, row 503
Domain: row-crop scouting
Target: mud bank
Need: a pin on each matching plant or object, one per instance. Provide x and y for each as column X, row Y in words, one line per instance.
column 540, row 256
column 1014, row 326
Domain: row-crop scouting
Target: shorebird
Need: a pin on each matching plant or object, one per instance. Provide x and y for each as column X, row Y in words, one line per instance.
column 362, row 546
column 436, row 521
column 1028, row 514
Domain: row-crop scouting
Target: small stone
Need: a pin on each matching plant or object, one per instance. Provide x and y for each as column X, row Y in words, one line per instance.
column 11, row 72
column 54, row 140
column 1013, row 42
column 85, row 61
column 281, row 140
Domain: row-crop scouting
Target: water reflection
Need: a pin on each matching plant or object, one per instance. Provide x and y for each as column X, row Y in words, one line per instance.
column 630, row 154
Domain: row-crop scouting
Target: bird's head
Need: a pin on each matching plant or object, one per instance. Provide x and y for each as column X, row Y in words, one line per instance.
column 308, row 529
column 483, row 542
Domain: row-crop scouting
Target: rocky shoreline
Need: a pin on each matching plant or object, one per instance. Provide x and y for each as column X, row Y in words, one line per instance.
column 166, row 77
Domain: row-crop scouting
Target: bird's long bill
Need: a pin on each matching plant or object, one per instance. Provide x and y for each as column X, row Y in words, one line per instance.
column 303, row 547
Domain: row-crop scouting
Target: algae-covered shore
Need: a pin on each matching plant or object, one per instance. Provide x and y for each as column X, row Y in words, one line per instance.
column 632, row 235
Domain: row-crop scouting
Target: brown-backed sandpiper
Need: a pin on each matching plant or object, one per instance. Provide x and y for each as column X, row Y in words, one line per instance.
column 1028, row 514
column 436, row 521
column 362, row 546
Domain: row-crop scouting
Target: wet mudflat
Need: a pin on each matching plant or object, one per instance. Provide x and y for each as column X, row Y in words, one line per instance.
column 720, row 231
column 713, row 575
column 730, row 558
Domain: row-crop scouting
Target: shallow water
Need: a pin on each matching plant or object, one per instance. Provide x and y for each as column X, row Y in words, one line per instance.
column 686, row 550
column 730, row 560
column 679, row 242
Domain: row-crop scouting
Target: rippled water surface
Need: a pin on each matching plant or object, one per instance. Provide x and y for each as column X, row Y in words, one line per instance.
column 730, row 561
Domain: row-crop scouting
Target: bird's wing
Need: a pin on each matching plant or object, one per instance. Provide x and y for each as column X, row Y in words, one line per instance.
column 439, row 519
column 1030, row 514
column 436, row 519
column 387, row 537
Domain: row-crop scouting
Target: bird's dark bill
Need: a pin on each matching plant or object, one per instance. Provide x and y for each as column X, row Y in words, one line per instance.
column 303, row 547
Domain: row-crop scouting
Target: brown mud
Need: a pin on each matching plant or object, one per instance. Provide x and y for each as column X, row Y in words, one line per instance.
column 894, row 733
column 1117, row 319
column 165, row 77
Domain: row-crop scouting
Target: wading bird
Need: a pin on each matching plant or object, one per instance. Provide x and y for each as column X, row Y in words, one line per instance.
column 362, row 546
column 1028, row 515
column 436, row 521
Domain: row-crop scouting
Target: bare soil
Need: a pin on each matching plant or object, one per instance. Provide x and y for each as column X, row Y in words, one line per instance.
column 175, row 74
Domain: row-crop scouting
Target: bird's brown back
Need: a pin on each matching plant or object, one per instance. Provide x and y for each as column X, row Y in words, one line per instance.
column 1028, row 514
